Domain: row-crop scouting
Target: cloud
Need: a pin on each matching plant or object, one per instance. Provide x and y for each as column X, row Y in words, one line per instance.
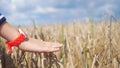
column 107, row 8
column 45, row 10
column 57, row 10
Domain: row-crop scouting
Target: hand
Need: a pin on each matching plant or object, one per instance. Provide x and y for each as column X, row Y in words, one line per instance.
column 34, row 45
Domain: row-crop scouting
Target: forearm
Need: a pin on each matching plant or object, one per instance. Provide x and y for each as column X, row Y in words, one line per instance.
column 8, row 32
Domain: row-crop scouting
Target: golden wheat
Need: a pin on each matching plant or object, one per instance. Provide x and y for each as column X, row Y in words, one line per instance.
column 86, row 45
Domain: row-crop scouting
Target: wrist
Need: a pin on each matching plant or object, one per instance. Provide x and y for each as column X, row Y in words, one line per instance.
column 17, row 41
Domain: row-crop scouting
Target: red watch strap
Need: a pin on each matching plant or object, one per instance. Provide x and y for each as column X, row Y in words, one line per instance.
column 15, row 42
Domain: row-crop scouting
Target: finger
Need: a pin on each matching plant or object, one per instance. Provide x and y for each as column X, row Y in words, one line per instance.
column 55, row 49
column 55, row 44
column 50, row 44
column 52, row 50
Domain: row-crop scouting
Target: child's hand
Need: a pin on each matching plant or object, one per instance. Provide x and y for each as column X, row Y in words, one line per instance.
column 34, row 45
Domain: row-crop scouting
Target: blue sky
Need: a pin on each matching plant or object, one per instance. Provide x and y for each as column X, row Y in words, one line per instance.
column 52, row 11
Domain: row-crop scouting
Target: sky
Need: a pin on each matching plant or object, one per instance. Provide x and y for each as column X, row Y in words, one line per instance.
column 23, row 12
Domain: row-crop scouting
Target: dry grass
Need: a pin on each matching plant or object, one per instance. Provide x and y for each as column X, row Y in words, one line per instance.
column 86, row 45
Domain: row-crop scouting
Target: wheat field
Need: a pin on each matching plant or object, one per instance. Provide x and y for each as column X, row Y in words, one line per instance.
column 86, row 45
